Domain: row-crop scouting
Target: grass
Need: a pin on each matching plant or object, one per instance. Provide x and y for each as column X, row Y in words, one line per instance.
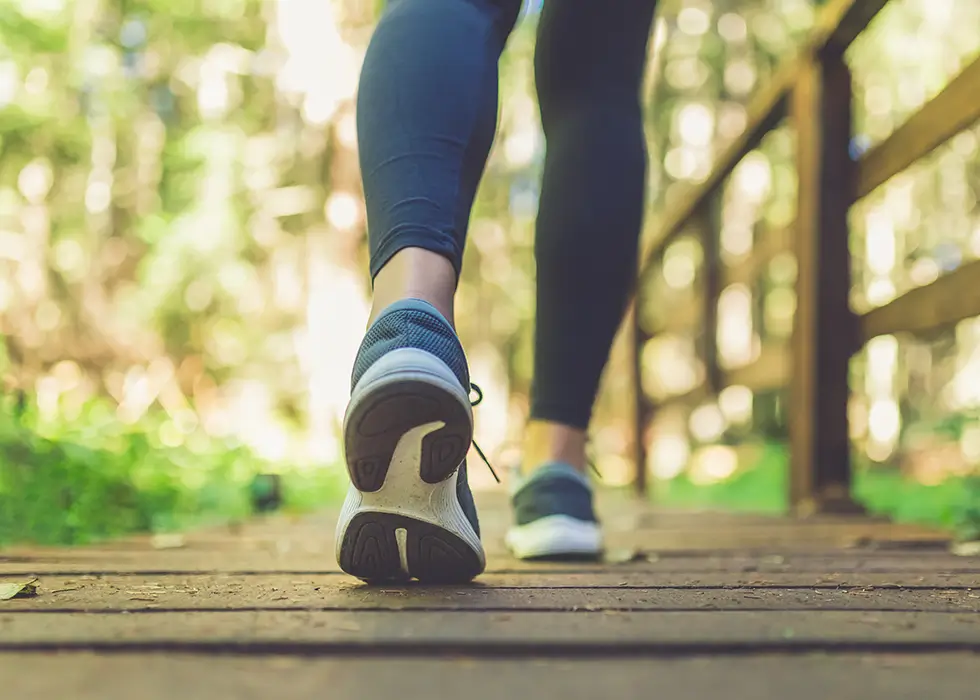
column 762, row 487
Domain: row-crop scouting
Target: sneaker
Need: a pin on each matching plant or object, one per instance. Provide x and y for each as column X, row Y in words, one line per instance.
column 554, row 517
column 409, row 512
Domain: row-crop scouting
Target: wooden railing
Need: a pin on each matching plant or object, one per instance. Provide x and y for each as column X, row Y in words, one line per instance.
column 814, row 90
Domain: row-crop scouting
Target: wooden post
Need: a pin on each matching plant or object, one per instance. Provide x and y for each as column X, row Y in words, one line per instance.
column 641, row 408
column 709, row 226
column 824, row 332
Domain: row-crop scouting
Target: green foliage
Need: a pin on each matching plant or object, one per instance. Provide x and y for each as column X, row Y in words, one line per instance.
column 759, row 487
column 21, row 34
column 128, row 134
column 885, row 492
column 60, row 490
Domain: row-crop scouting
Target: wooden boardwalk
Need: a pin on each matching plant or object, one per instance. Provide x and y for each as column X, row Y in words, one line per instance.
column 689, row 606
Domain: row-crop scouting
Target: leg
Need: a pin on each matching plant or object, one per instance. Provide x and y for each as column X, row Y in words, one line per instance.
column 427, row 109
column 427, row 112
column 588, row 65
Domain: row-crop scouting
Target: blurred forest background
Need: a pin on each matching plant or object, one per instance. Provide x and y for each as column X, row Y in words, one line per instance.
column 182, row 260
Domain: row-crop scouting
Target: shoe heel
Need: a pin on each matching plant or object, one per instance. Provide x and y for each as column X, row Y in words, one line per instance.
column 379, row 547
column 382, row 415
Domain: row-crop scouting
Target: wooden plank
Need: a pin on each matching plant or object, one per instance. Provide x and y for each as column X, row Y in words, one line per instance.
column 87, row 676
column 840, row 22
column 492, row 633
column 609, row 578
column 712, row 579
column 953, row 110
column 951, row 298
column 693, row 560
column 795, row 535
column 758, row 542
column 770, row 371
column 261, row 593
column 822, row 335
column 164, row 562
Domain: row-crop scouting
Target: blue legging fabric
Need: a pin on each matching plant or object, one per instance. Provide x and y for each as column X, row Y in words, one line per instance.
column 427, row 113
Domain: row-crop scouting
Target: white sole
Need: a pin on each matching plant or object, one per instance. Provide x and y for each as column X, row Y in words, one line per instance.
column 407, row 429
column 555, row 536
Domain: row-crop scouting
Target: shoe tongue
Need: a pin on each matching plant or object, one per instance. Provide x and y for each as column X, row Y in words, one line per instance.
column 550, row 470
column 414, row 305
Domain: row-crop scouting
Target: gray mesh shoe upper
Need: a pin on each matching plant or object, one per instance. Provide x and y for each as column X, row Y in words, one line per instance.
column 553, row 489
column 465, row 497
column 411, row 323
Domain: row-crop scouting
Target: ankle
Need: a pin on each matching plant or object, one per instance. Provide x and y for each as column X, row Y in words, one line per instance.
column 546, row 442
column 415, row 273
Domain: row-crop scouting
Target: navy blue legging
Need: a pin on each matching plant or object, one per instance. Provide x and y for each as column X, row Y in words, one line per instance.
column 427, row 113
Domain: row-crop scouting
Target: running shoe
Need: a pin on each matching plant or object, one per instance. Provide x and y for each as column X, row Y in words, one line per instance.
column 553, row 516
column 409, row 512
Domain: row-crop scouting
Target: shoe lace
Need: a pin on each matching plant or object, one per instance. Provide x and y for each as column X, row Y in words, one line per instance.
column 591, row 463
column 475, row 389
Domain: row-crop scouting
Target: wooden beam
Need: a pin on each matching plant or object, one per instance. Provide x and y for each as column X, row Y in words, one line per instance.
column 822, row 339
column 956, row 108
column 694, row 396
column 840, row 22
column 951, row 298
column 770, row 243
column 765, row 111
column 684, row 317
column 771, row 370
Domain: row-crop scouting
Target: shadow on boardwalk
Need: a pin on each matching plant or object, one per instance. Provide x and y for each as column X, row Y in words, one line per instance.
column 691, row 606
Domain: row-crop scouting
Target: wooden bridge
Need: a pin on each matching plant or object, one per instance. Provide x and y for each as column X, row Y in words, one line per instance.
column 687, row 605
